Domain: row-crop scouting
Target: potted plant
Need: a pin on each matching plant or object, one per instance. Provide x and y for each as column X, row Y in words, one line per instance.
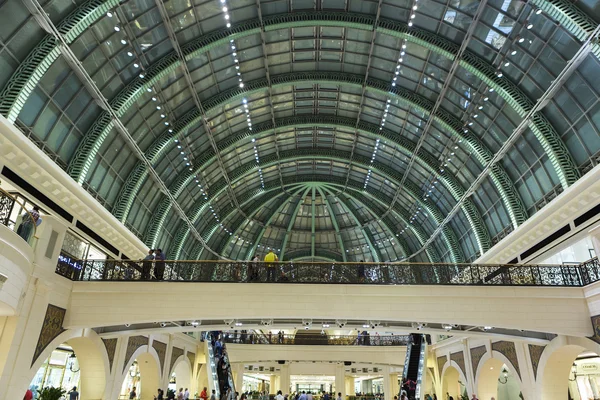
column 51, row 393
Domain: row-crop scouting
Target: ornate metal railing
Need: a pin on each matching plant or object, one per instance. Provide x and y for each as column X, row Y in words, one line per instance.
column 575, row 275
column 324, row 340
column 24, row 224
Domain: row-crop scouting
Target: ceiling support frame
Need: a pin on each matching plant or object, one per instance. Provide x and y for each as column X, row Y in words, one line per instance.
column 47, row 25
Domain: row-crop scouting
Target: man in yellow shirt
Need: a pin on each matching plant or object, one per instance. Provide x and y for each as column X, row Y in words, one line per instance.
column 270, row 260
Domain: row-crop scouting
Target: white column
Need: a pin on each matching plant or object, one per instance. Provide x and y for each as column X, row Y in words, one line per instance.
column 387, row 384
column 19, row 339
column 340, row 381
column 284, row 379
column 238, row 377
column 273, row 384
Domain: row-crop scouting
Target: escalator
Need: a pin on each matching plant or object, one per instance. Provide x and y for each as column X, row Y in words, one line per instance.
column 413, row 367
column 220, row 369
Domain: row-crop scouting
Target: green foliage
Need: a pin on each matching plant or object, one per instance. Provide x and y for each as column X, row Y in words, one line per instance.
column 51, row 393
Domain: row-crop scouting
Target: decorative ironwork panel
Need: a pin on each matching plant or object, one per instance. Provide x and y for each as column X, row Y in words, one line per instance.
column 535, row 353
column 508, row 350
column 459, row 358
column 111, row 346
column 161, row 350
column 596, row 326
column 192, row 358
column 175, row 354
column 51, row 328
column 133, row 343
column 477, row 354
column 441, row 361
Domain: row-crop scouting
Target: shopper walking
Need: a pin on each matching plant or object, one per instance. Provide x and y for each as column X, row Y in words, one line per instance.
column 186, row 394
column 159, row 266
column 270, row 259
column 180, row 394
column 132, row 394
column 339, row 396
column 253, row 270
column 204, row 394
column 279, row 395
column 213, row 396
column 74, row 394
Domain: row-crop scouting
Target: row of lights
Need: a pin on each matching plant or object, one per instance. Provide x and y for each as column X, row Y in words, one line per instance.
column 130, row 52
column 400, row 60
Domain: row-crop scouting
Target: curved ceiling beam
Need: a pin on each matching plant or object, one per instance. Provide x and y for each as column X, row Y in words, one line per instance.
column 183, row 233
column 254, row 243
column 541, row 127
column 258, row 237
column 411, row 189
column 334, row 191
column 509, row 195
column 336, row 226
column 291, row 223
column 425, row 160
column 25, row 79
column 448, row 236
column 369, row 198
column 250, row 204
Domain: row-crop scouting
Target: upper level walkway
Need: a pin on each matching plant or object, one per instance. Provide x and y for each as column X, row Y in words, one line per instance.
column 574, row 275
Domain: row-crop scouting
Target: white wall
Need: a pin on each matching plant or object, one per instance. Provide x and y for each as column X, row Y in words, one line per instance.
column 529, row 308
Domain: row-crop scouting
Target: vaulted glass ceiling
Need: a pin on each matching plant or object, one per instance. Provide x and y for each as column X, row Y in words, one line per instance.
column 332, row 129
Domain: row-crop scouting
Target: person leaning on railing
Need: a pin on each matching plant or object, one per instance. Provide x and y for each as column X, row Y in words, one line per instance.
column 30, row 220
column 147, row 265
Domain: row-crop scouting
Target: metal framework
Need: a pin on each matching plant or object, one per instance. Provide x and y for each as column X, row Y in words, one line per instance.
column 367, row 198
column 334, row 222
column 533, row 114
column 46, row 24
column 447, row 82
column 500, row 178
column 59, row 36
column 342, row 157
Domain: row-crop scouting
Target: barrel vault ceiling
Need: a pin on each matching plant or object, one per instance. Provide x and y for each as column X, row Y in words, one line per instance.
column 346, row 130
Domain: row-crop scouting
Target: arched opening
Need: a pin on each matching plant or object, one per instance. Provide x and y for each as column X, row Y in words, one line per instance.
column 181, row 376
column 453, row 383
column 497, row 380
column 143, row 375
column 77, row 362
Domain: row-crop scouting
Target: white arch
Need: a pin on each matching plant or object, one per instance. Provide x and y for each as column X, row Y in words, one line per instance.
column 183, row 366
column 92, row 358
column 461, row 377
column 486, row 380
column 555, row 365
column 150, row 372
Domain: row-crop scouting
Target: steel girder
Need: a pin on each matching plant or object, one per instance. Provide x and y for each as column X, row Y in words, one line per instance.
column 260, row 234
column 278, row 210
column 373, row 209
column 426, row 160
column 449, row 237
column 17, row 91
column 510, row 197
column 543, row 130
column 470, row 212
column 372, row 199
column 25, row 78
column 336, row 226
column 291, row 223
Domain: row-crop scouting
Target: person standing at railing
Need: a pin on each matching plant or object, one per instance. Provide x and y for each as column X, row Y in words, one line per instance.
column 147, row 265
column 253, row 268
column 159, row 266
column 361, row 271
column 26, row 226
column 271, row 258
